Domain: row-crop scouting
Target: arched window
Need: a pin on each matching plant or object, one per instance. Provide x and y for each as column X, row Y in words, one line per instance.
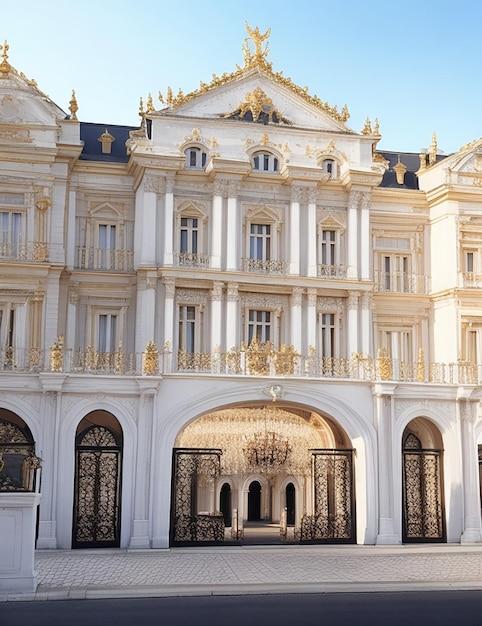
column 265, row 162
column 330, row 167
column 195, row 158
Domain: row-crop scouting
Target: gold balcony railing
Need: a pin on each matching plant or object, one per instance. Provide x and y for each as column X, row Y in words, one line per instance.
column 256, row 360
column 471, row 280
column 30, row 251
column 401, row 282
column 189, row 259
column 106, row 260
column 264, row 266
column 331, row 271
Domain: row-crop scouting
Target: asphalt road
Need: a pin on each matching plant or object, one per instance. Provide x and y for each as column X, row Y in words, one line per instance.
column 462, row 608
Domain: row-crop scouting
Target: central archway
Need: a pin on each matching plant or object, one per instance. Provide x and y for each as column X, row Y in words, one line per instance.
column 268, row 456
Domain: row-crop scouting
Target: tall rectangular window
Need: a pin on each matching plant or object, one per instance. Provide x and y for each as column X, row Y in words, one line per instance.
column 259, row 326
column 188, row 339
column 328, row 250
column 328, row 334
column 395, row 273
column 189, row 235
column 107, row 330
column 10, row 235
column 260, row 242
column 107, row 246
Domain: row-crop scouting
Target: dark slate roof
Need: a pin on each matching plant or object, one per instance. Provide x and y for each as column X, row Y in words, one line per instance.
column 411, row 161
column 92, row 151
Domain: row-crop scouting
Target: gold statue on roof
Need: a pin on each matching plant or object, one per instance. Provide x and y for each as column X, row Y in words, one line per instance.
column 257, row 38
column 5, row 66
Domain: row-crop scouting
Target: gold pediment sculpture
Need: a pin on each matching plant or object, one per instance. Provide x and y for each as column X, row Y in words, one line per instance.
column 257, row 107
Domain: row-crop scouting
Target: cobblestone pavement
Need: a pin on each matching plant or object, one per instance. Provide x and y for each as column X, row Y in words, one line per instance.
column 235, row 570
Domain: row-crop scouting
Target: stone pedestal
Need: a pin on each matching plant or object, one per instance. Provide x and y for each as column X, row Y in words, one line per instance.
column 17, row 541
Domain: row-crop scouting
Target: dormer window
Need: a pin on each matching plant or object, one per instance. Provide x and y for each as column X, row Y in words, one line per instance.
column 195, row 158
column 265, row 162
column 330, row 167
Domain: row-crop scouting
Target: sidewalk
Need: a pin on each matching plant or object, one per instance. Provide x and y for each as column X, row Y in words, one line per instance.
column 87, row 574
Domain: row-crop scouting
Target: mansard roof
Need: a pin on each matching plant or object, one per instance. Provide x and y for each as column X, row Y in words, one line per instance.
column 90, row 134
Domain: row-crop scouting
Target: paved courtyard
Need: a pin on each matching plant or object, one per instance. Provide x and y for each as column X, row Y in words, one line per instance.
column 252, row 569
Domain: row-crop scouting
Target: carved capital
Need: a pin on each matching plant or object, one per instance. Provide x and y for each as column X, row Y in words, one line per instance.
column 220, row 187
column 233, row 292
column 217, row 291
column 154, row 184
column 352, row 300
column 312, row 296
column 169, row 287
column 354, row 199
column 297, row 296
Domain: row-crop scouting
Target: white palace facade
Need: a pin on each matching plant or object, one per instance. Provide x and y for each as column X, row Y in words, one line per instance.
column 240, row 312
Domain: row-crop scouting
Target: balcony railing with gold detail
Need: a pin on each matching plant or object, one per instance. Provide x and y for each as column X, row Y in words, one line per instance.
column 401, row 282
column 189, row 259
column 331, row 271
column 255, row 360
column 471, row 280
column 102, row 259
column 30, row 251
column 263, row 266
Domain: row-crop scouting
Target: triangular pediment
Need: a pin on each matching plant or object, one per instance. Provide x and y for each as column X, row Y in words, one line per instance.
column 253, row 93
column 242, row 97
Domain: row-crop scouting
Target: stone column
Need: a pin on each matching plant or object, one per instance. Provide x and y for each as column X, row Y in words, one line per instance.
column 153, row 185
column 470, row 466
column 296, row 321
column 144, row 474
column 169, row 293
column 294, row 267
column 169, row 221
column 216, row 315
column 352, row 234
column 366, row 323
column 365, row 239
column 352, row 321
column 70, row 253
column 145, row 309
column 232, row 316
column 217, row 224
column 48, row 451
column 232, row 239
column 311, row 317
column 383, row 400
column 311, row 235
column 71, row 324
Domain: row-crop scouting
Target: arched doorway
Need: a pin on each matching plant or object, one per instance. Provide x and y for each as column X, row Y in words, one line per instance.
column 97, row 484
column 225, row 503
column 290, row 495
column 423, row 505
column 254, row 502
column 17, row 454
column 263, row 448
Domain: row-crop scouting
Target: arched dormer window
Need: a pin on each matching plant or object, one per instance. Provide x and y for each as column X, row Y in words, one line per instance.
column 330, row 166
column 195, row 158
column 265, row 162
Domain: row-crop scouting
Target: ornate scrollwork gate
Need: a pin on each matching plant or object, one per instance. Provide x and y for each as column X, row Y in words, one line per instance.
column 333, row 520
column 97, row 488
column 193, row 470
column 423, row 518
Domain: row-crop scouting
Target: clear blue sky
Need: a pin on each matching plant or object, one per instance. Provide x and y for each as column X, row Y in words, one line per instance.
column 415, row 64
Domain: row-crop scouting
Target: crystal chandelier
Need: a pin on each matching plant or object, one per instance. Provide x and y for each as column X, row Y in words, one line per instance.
column 267, row 452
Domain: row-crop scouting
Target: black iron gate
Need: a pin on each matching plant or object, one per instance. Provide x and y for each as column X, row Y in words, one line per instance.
column 423, row 510
column 333, row 520
column 194, row 471
column 98, row 456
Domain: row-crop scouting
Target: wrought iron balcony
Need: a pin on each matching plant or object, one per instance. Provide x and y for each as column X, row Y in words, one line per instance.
column 263, row 266
column 102, row 259
column 255, row 360
column 401, row 282
column 331, row 271
column 30, row 251
column 189, row 259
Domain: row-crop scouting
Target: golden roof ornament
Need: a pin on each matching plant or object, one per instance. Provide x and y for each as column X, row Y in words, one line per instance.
column 106, row 140
column 149, row 104
column 5, row 66
column 257, row 38
column 256, row 60
column 73, row 106
column 400, row 170
column 367, row 129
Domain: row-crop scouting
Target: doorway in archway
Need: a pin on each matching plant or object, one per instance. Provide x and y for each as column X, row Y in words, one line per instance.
column 290, row 504
column 225, row 504
column 254, row 502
